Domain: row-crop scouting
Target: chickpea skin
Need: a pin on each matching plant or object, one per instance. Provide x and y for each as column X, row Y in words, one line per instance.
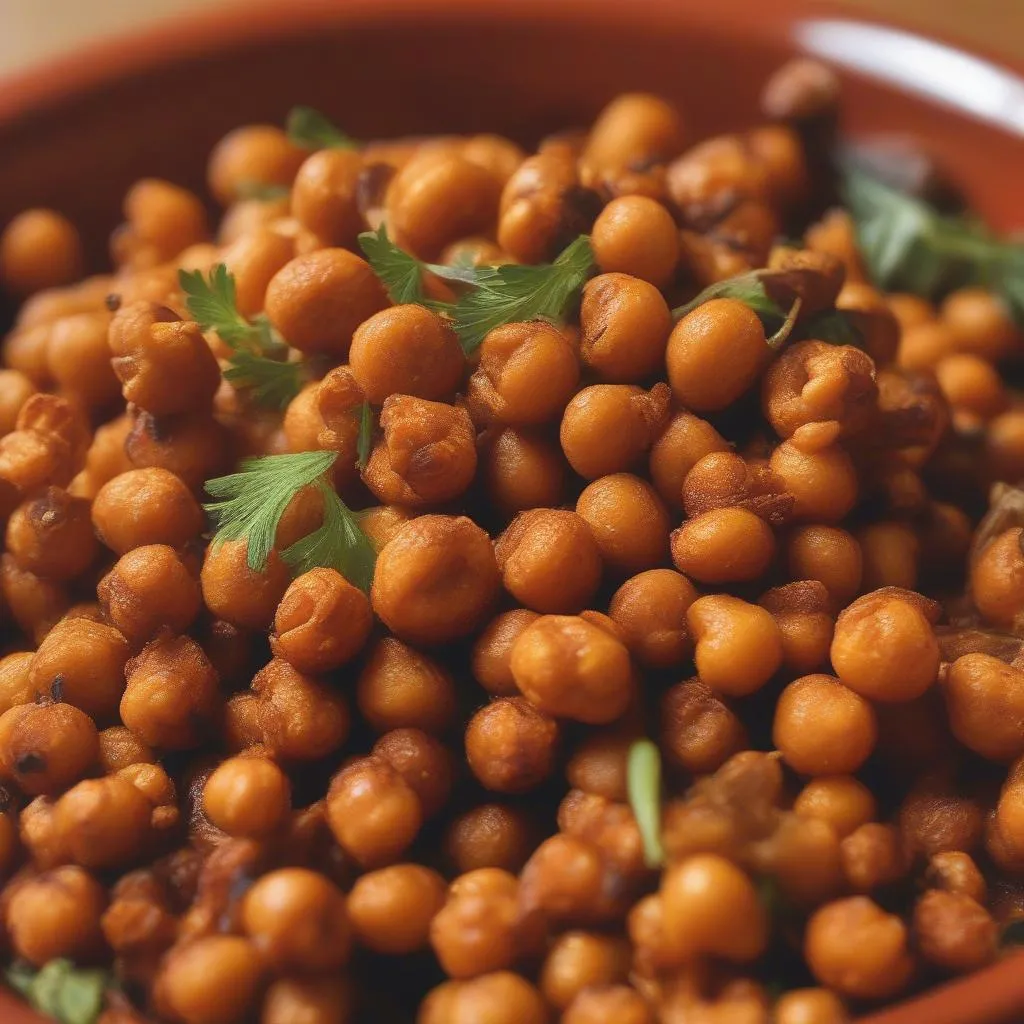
column 725, row 545
column 391, row 909
column 247, row 796
column 39, row 249
column 985, row 704
column 636, row 235
column 628, row 521
column 997, row 578
column 145, row 506
column 51, row 535
column 511, row 746
column 44, row 748
column 650, row 611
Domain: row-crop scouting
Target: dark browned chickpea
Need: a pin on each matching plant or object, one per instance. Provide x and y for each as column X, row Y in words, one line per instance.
column 34, row 603
column 145, row 506
column 171, row 694
column 549, row 560
column 425, row 763
column 16, row 685
column 44, row 748
column 713, row 176
column 256, row 154
column 699, row 732
column 954, row 871
column 247, row 796
column 841, row 800
column 628, row 521
column 620, row 1003
column 650, row 611
column 79, row 359
column 954, row 932
column 510, row 745
column 318, row 300
column 51, row 535
column 296, row 998
column 526, row 372
column 427, row 455
column 324, row 196
column 827, row 554
column 578, row 960
column 980, row 323
column 997, row 578
column 873, row 855
column 436, row 580
column 39, row 249
column 56, row 914
column 571, row 668
column 521, row 470
column 606, row 428
column 884, row 647
column 624, row 325
column 81, row 662
column 406, row 350
column 636, row 235
column 725, row 545
column 401, row 688
column 490, row 836
column 684, row 442
column 161, row 220
column 984, row 701
column 238, row 594
column 391, row 909
column 934, row 818
column 373, row 813
column 103, row 823
column 194, row 448
column 15, row 389
column 801, row 611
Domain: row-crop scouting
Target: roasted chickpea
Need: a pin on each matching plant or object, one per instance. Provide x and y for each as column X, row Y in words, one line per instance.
column 823, row 483
column 699, row 731
column 16, row 686
column 578, row 960
column 324, row 196
column 161, row 220
column 44, row 748
column 51, row 535
column 954, row 871
column 501, row 997
column 984, row 700
column 194, row 448
column 934, row 818
column 873, row 855
column 628, row 521
column 15, row 389
column 510, row 745
column 490, row 836
column 725, row 545
column 391, row 909
column 247, row 796
column 827, row 554
column 39, row 249
column 953, row 931
column 521, row 470
column 256, row 154
column 35, row 604
column 841, row 800
column 236, row 592
column 636, row 235
column 684, row 442
column 296, row 999
column 997, row 578
column 79, row 359
column 810, row 1006
column 801, row 611
column 979, row 322
column 650, row 611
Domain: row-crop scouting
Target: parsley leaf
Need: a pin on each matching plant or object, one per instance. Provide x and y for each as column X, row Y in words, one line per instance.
column 643, row 784
column 213, row 304
column 273, row 383
column 309, row 128
column 365, row 440
column 748, row 288
column 58, row 989
column 399, row 272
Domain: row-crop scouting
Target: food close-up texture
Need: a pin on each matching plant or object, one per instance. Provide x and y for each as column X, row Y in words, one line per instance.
column 451, row 582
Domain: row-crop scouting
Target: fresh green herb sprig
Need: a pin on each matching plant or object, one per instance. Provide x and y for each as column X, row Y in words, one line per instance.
column 258, row 361
column 643, row 784
column 910, row 246
column 310, row 129
column 250, row 503
column 365, row 439
column 68, row 994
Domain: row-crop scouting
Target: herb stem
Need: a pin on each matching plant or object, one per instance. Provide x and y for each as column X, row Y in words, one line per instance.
column 643, row 783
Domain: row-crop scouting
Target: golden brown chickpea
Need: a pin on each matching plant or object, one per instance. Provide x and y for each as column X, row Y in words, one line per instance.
column 599, row 1003
column 954, row 932
column 879, row 328
column 373, row 813
column 427, row 455
column 725, row 545
column 34, row 603
column 494, row 153
column 56, row 914
column 25, row 351
column 145, row 506
column 997, row 578
column 240, row 595
column 606, row 428
column 194, row 448
column 934, row 818
column 650, row 611
column 722, row 480
column 324, row 196
column 79, row 359
column 578, row 960
column 634, row 128
column 425, row 763
column 318, row 300
column 46, row 747
column 884, row 647
column 526, row 372
column 823, row 728
column 256, row 154
column 15, row 389
column 954, row 871
column 161, row 220
column 549, row 560
column 636, row 235
column 81, row 662
column 873, row 855
column 984, row 701
column 684, row 442
column 801, row 611
column 713, row 176
column 39, row 249
column 103, row 823
column 699, row 732
column 910, row 310
column 247, row 796
column 972, row 387
column 106, row 456
column 521, row 470
column 1005, row 837
column 501, row 997
column 624, row 326
column 436, row 580
column 51, row 535
column 979, row 323
column 490, row 835
column 214, row 979
column 510, row 745
column 628, row 520
column 300, row 1000
column 150, row 589
column 16, row 686
column 923, row 346
column 599, row 762
column 253, row 259
column 827, row 554
column 171, row 694
column 779, row 151
column 391, row 909
column 381, row 522
column 841, row 800
column 822, row 482
column 810, row 1006
column 803, row 855
column 571, row 668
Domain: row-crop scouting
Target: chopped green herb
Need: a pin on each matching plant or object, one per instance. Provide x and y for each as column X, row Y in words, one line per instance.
column 365, row 434
column 643, row 783
column 58, row 989
column 309, row 128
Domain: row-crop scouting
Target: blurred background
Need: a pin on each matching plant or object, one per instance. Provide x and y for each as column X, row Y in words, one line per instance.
column 33, row 30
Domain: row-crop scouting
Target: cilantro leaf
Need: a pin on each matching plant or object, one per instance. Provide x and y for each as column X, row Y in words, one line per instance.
column 58, row 989
column 643, row 784
column 309, row 128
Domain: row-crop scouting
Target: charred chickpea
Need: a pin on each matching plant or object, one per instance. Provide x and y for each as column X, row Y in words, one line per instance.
column 624, row 326
column 44, row 748
column 636, row 235
column 578, row 960
column 51, row 535
column 984, row 701
column 841, row 800
column 650, row 611
column 684, row 442
column 801, row 611
column 161, row 219
column 324, row 196
column 390, row 909
column 238, row 594
column 979, row 322
column 725, row 545
column 145, row 506
column 257, row 154
column 521, row 470
column 247, row 796
column 16, row 686
column 699, row 731
column 39, row 249
column 15, row 389
column 549, row 560
column 79, row 359
column 628, row 521
column 194, row 448
column 425, row 763
column 490, row 835
column 827, row 554
column 511, row 746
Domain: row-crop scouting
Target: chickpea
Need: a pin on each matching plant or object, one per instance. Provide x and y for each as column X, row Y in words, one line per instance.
column 578, row 960
column 934, row 818
column 511, row 746
column 424, row 762
column 571, row 668
column 738, row 645
column 823, row 483
column 804, row 857
column 498, row 998
column 873, row 855
column 624, row 324
column 827, row 554
column 953, row 931
column 44, row 748
column 634, row 128
column 15, row 389
column 521, row 470
column 435, row 580
column 51, row 535
column 490, row 835
column 247, row 796
column 628, row 521
column 1005, row 839
column 55, row 914
column 857, row 949
column 650, row 611
column 713, row 176
column 564, row 880
column 699, row 732
column 525, row 375
column 301, row 1000
column 841, row 800
column 726, row 545
column 997, row 578
column 253, row 259
column 171, row 694
column 81, row 662
column 391, row 909
column 684, row 442
column 636, row 235
column 801, row 611
column 260, row 154
column 954, row 871
column 884, row 647
column 194, row 448
column 103, row 823
column 972, row 386
column 79, row 359
column 35, row 604
column 106, row 457
column 979, row 322
column 984, row 697
column 879, row 328
column 923, row 346
column 161, row 220
column 319, row 299
column 373, row 813
column 324, row 198
column 145, row 506
column 608, row 1002
column 402, row 688
column 810, row 1006
column 381, row 522
column 598, row 765
column 238, row 594
column 16, row 685
column 39, row 249
column 723, row 480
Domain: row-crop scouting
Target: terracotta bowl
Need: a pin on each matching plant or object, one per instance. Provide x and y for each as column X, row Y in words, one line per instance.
column 74, row 134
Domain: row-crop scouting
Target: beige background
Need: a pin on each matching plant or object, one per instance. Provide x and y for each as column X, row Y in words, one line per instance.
column 32, row 30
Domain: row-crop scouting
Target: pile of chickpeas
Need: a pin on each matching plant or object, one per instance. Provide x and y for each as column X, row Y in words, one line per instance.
column 256, row 796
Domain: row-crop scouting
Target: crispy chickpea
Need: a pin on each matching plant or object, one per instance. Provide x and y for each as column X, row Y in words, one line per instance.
column 634, row 128
column 980, row 324
column 247, row 796
column 34, row 603
column 401, row 688
column 104, row 823
column 628, row 521
column 713, row 176
column 699, row 732
column 39, row 249
column 571, row 668
column 381, row 522
column 865, row 306
column 884, row 647
column 212, row 980
column 239, row 594
column 578, row 960
column 598, row 765
column 549, row 560
column 436, row 579
column 511, row 746
column 841, row 800
column 650, row 611
column 636, row 235
column 827, row 554
column 725, row 545
column 194, row 448
column 599, row 1003
column 1005, row 838
column 82, row 662
column 15, row 389
column 985, row 701
column 391, row 909
column 873, row 855
column 804, row 857
column 934, row 818
column 145, row 506
column 953, row 931
column 727, row 480
column 624, row 325
column 253, row 259
column 171, row 694
column 79, row 359
column 923, row 346
column 822, row 727
column 738, row 645
column 997, row 578
column 161, row 220
column 801, row 611
column 954, row 871
column 51, row 535
column 318, row 300
column 296, row 999
column 526, row 372
column 424, row 762
column 44, row 748
column 256, row 154
column 490, row 835
column 810, row 1006
column 823, row 482
column 56, row 914
column 106, row 457
column 373, row 813
column 972, row 386
column 324, row 199
column 684, row 442
column 501, row 997
column 521, row 470
column 16, row 686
